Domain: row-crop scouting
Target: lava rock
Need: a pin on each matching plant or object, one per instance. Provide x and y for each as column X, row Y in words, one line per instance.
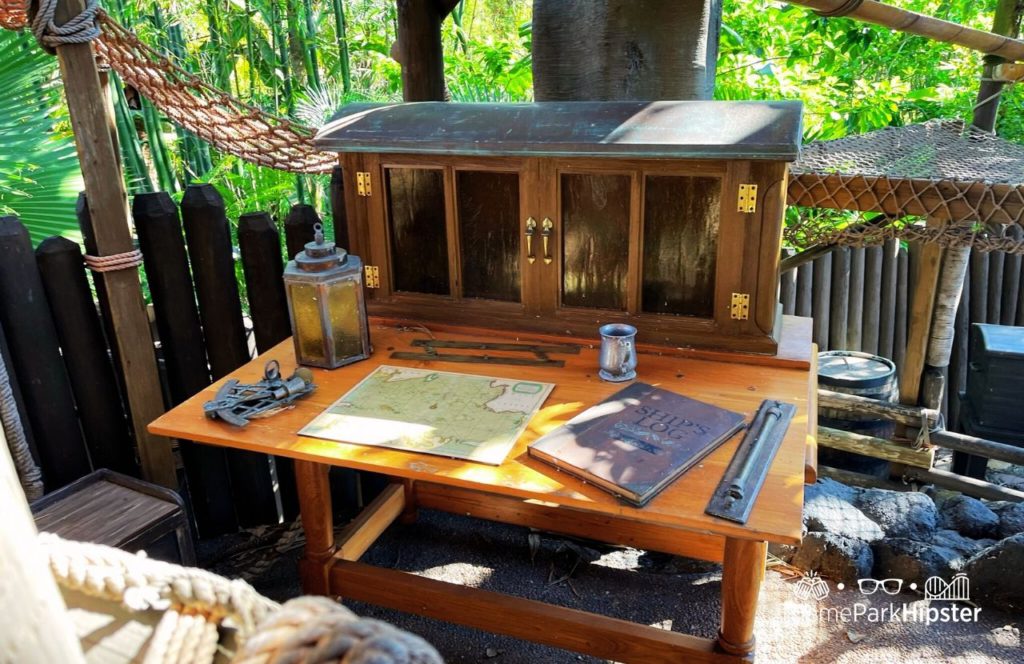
column 965, row 546
column 910, row 515
column 969, row 517
column 827, row 513
column 913, row 561
column 827, row 486
column 995, row 575
column 783, row 552
column 839, row 558
column 1011, row 517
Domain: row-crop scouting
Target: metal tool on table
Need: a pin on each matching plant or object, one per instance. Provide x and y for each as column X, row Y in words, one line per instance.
column 539, row 352
column 736, row 493
column 236, row 403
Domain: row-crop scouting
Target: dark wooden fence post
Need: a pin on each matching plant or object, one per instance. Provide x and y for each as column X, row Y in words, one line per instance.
column 298, row 228
column 839, row 309
column 887, row 316
column 872, row 299
column 804, row 284
column 84, row 347
column 1011, row 279
column 260, row 245
column 177, row 321
column 822, row 287
column 208, row 237
column 35, row 356
column 339, row 215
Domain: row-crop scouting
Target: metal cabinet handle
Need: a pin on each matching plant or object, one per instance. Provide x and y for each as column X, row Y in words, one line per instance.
column 531, row 228
column 545, row 234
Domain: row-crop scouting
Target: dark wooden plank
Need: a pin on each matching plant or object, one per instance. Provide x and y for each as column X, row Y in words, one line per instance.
column 208, row 238
column 487, row 205
column 260, row 247
column 181, row 337
column 84, row 348
column 787, row 286
column 664, row 129
column 103, row 513
column 804, row 290
column 419, row 239
column 899, row 340
column 19, row 399
column 887, row 315
column 959, row 358
column 855, row 315
column 595, row 239
column 839, row 304
column 36, row 358
column 979, row 286
column 680, row 244
column 299, row 228
column 996, row 263
column 1011, row 280
column 872, row 300
column 822, row 295
column 556, row 626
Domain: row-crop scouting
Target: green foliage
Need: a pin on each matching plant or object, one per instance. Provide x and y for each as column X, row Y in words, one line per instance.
column 39, row 175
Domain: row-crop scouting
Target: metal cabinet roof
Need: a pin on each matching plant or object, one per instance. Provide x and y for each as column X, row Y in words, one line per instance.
column 662, row 129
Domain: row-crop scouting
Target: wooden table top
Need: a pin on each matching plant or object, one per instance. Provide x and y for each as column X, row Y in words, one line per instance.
column 735, row 385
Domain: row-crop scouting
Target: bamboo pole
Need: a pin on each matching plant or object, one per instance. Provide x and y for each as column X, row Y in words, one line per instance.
column 914, row 23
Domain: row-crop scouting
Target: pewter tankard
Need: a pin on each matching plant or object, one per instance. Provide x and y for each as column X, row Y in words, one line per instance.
column 618, row 352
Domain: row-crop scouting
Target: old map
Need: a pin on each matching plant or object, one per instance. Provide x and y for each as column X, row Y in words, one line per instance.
column 436, row 412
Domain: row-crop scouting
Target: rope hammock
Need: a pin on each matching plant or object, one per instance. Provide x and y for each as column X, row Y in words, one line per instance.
column 968, row 182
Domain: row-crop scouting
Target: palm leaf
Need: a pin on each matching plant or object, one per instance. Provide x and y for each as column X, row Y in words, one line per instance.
column 39, row 172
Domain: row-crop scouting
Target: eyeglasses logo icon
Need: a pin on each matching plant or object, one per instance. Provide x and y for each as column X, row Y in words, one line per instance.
column 888, row 586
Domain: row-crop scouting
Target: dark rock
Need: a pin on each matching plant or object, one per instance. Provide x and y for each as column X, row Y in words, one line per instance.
column 965, row 546
column 995, row 575
column 1011, row 519
column 900, row 514
column 839, row 558
column 783, row 552
column 827, row 486
column 914, row 562
column 969, row 516
column 826, row 513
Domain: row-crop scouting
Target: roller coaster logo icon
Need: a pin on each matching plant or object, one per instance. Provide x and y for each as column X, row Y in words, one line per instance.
column 957, row 589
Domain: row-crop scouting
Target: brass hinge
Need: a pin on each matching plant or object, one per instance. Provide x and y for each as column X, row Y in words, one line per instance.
column 747, row 199
column 372, row 273
column 363, row 183
column 740, row 309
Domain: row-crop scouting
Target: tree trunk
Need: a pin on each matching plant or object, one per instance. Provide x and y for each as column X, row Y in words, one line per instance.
column 625, row 49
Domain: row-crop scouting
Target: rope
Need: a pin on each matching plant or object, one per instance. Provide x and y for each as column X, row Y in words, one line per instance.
column 125, row 261
column 29, row 475
column 81, row 29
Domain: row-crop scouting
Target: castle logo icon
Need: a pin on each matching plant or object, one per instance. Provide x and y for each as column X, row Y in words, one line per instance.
column 956, row 589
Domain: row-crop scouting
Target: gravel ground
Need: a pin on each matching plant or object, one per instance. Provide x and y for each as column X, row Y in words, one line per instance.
column 672, row 593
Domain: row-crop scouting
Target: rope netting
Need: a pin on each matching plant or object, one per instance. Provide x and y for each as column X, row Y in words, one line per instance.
column 969, row 183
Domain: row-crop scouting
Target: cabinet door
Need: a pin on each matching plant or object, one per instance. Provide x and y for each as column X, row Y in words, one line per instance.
column 450, row 232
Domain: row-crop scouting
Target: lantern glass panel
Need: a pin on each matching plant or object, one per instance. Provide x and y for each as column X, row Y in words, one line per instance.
column 309, row 330
column 345, row 318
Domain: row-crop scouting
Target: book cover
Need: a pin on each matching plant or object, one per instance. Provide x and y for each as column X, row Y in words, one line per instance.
column 636, row 442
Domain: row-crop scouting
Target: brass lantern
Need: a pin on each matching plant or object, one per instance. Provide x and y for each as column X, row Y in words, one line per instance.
column 326, row 304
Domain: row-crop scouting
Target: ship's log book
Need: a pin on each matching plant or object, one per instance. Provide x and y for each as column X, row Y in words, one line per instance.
column 638, row 441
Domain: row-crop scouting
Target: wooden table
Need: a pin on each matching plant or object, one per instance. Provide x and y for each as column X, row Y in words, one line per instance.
column 527, row 492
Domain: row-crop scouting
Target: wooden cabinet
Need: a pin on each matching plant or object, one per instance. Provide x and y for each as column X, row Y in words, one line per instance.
column 560, row 217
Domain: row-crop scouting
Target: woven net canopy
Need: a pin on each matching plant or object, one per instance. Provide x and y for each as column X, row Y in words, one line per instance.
column 966, row 181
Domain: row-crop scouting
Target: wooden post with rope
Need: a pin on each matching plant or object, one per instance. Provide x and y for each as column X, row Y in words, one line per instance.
column 108, row 213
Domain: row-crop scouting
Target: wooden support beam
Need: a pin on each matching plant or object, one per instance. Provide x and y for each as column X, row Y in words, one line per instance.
column 922, row 308
column 419, row 49
column 571, row 629
column 963, row 484
column 978, row 446
column 876, row 448
column 363, row 531
column 567, row 521
column 851, row 403
column 859, row 479
column 914, row 23
column 108, row 212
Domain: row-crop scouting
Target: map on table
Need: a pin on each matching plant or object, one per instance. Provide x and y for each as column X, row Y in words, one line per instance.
column 436, row 412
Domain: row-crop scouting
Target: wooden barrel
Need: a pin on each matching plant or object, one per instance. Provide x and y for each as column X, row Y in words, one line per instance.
column 864, row 375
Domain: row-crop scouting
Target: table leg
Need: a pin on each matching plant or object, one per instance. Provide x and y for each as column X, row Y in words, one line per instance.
column 318, row 523
column 742, row 573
